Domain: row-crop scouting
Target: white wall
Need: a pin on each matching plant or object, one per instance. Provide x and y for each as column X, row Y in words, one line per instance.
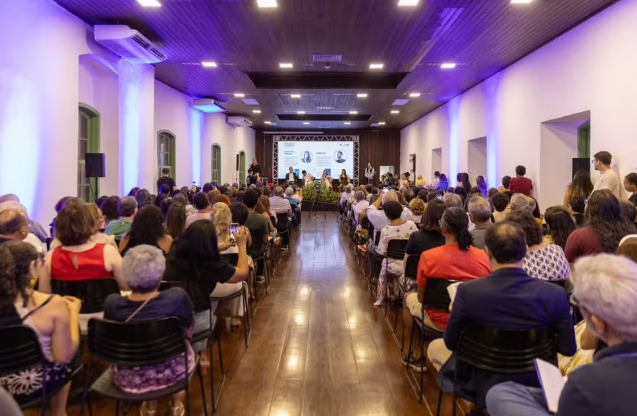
column 231, row 139
column 558, row 146
column 592, row 67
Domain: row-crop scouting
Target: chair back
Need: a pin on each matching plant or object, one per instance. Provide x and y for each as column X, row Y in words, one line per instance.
column 436, row 295
column 19, row 349
column 282, row 220
column 506, row 351
column 232, row 258
column 396, row 249
column 411, row 267
column 376, row 238
column 136, row 344
column 92, row 293
column 200, row 299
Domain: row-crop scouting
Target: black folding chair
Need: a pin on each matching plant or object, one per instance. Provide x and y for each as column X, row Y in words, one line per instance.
column 92, row 293
column 411, row 274
column 502, row 351
column 283, row 227
column 20, row 350
column 138, row 345
column 395, row 251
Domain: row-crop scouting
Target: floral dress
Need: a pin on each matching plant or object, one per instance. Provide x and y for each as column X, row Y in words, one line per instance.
column 393, row 267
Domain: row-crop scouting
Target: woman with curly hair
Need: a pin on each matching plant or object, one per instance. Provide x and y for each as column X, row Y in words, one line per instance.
column 605, row 227
column 581, row 187
column 147, row 228
column 561, row 225
column 54, row 319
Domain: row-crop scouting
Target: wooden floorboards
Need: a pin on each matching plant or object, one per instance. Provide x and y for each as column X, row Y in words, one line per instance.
column 318, row 346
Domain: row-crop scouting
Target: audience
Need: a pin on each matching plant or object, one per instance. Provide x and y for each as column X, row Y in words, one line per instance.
column 605, row 287
column 147, row 228
column 127, row 208
column 507, row 299
column 143, row 198
column 577, row 206
column 628, row 247
column 204, row 208
column 630, row 185
column 560, row 226
column 608, row 178
column 581, row 187
column 628, row 210
column 482, row 185
column 53, row 318
column 360, row 205
column 176, row 220
column 417, row 209
column 110, row 209
column 143, row 268
column 542, row 261
column 480, row 216
column 605, row 227
column 506, row 181
column 456, row 260
column 452, row 200
column 520, row 184
column 499, row 201
column 279, row 204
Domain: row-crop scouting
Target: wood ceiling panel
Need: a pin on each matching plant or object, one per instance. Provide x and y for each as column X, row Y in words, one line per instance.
column 482, row 36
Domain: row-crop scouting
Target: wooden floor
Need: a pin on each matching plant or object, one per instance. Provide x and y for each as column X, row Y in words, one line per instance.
column 318, row 346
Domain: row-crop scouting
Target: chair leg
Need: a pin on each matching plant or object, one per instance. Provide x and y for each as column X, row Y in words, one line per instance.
column 117, row 408
column 203, row 390
column 246, row 316
column 439, row 403
column 422, row 360
column 212, row 378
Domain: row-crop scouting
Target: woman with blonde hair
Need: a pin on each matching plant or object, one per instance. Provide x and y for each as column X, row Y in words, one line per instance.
column 417, row 208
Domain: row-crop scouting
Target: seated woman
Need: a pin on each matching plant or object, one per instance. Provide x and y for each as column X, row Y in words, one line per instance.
column 53, row 318
column 143, row 268
column 398, row 229
column 147, row 228
column 417, row 208
column 79, row 258
column 542, row 261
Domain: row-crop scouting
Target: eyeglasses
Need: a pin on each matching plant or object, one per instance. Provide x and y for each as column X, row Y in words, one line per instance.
column 594, row 160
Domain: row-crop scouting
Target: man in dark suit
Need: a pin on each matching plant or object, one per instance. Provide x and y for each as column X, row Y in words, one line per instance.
column 291, row 176
column 507, row 299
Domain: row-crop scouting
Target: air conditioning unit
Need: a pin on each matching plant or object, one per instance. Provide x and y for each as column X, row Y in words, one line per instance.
column 209, row 105
column 128, row 43
column 239, row 121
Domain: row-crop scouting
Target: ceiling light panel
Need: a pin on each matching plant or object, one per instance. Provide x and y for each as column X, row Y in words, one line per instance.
column 286, row 65
column 149, row 3
column 414, row 95
column 408, row 3
column 239, row 95
column 400, row 101
column 521, row 1
column 250, row 101
column 448, row 65
column 267, row 4
column 361, row 95
column 376, row 65
column 295, row 95
column 300, row 112
column 395, row 111
column 381, row 123
column 256, row 111
column 306, row 123
column 209, row 64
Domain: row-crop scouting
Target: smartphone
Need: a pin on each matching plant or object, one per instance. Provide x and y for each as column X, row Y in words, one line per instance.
column 439, row 196
column 386, row 188
column 234, row 227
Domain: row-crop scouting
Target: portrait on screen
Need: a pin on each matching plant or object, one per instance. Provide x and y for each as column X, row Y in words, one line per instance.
column 307, row 157
column 339, row 156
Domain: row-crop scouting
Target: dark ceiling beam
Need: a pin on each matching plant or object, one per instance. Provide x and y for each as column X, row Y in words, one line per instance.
column 326, row 80
column 324, row 117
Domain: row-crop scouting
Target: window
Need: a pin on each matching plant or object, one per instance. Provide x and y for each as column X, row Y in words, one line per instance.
column 216, row 163
column 88, row 142
column 242, row 168
column 165, row 152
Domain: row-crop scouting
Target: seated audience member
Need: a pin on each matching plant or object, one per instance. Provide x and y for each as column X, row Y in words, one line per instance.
column 147, row 228
column 53, row 318
column 289, row 195
column 397, row 229
column 278, row 204
column 628, row 210
column 428, row 237
column 143, row 269
column 420, row 181
column 110, row 209
column 263, row 208
column 14, row 225
column 143, row 198
column 360, row 205
column 417, row 208
column 542, row 261
column 221, row 198
column 577, row 206
column 98, row 226
column 127, row 208
column 37, row 235
column 204, row 208
column 605, row 287
column 260, row 227
column 522, row 202
column 222, row 218
column 456, row 260
column 630, row 185
column 176, row 220
column 506, row 181
column 605, row 226
column 561, row 225
column 422, row 195
column 608, row 178
column 409, row 194
column 580, row 187
column 482, row 185
column 452, row 200
column 491, row 192
column 520, row 184
column 480, row 215
column 507, row 299
column 628, row 247
column 500, row 201
column 377, row 217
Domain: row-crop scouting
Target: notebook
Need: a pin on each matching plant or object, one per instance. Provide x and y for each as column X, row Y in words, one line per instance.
column 552, row 382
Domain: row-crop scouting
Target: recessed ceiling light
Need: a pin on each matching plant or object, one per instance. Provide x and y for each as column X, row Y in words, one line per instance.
column 295, row 95
column 448, row 65
column 381, row 123
column 239, row 94
column 521, row 1
column 347, row 123
column 361, row 95
column 306, row 123
column 267, row 4
column 209, row 64
column 376, row 66
column 256, row 111
column 149, row 3
column 353, row 112
column 395, row 111
column 414, row 95
column 267, row 122
column 300, row 112
column 286, row 65
column 408, row 3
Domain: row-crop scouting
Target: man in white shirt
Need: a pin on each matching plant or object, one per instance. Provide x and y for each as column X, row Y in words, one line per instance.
column 609, row 179
column 361, row 204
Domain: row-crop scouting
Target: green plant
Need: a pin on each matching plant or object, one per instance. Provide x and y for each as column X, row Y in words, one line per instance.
column 326, row 195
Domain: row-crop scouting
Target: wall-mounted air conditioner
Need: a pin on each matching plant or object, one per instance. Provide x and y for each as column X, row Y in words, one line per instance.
column 128, row 43
column 239, row 121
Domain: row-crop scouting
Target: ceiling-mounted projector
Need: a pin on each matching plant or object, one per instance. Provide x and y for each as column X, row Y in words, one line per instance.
column 209, row 105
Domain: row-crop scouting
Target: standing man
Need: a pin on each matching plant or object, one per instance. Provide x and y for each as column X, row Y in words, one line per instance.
column 256, row 168
column 166, row 180
column 370, row 173
column 609, row 179
column 630, row 185
column 520, row 184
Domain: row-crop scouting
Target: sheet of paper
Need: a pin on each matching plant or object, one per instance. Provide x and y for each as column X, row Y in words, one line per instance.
column 452, row 289
column 552, row 382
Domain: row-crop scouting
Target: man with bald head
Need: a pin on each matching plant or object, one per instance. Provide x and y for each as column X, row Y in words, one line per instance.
column 14, row 225
column 507, row 299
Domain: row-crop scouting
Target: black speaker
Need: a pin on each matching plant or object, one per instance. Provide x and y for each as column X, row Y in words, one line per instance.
column 581, row 163
column 94, row 165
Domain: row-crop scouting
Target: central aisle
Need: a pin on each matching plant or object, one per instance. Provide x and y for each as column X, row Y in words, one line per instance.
column 318, row 347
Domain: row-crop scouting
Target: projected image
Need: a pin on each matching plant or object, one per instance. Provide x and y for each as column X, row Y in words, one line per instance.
column 315, row 157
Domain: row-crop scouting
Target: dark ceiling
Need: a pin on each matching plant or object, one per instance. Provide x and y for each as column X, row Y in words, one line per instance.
column 248, row 43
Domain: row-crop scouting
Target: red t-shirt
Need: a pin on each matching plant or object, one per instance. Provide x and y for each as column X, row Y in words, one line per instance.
column 521, row 185
column 449, row 262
